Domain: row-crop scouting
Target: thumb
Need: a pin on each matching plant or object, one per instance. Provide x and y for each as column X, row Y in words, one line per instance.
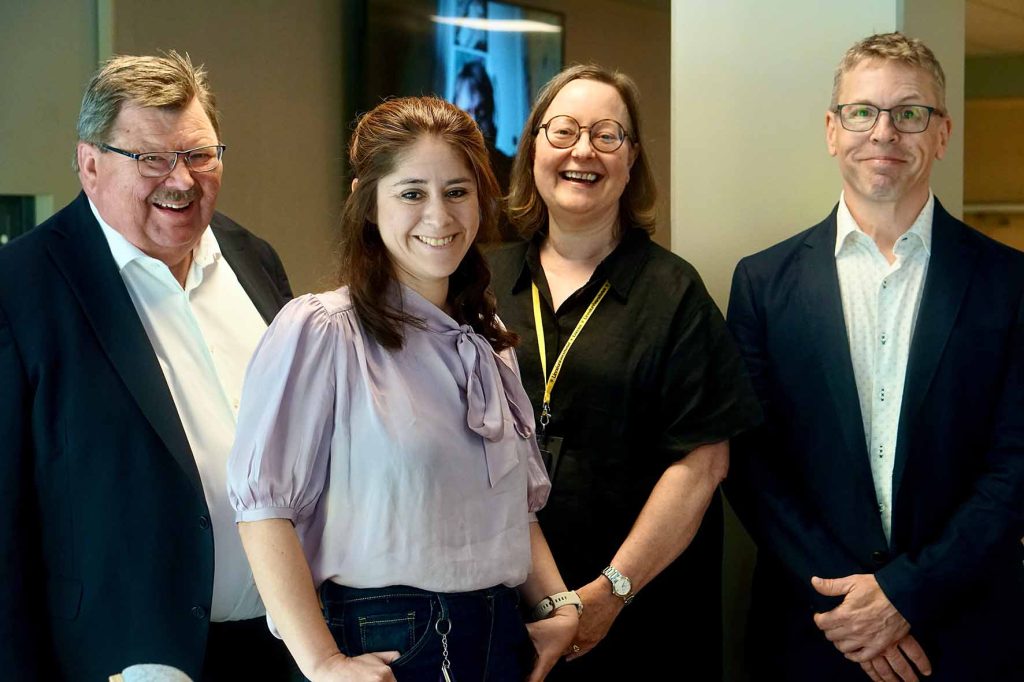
column 830, row 587
column 386, row 656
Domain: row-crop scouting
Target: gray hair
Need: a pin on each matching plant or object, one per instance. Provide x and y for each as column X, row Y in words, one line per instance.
column 169, row 81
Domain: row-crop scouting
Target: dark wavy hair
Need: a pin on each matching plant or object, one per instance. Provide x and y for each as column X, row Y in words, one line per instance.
column 526, row 209
column 380, row 137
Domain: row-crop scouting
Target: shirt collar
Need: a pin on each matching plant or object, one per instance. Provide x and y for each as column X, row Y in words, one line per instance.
column 921, row 227
column 620, row 267
column 206, row 252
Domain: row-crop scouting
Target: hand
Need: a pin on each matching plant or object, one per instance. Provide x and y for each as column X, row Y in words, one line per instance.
column 551, row 637
column 866, row 623
column 600, row 609
column 366, row 668
column 893, row 665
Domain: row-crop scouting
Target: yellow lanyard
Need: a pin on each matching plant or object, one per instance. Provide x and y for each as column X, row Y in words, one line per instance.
column 549, row 385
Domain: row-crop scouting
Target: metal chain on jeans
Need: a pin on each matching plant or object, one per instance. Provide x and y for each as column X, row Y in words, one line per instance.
column 446, row 664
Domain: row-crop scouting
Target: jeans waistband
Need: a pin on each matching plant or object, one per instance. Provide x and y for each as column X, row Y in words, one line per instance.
column 334, row 591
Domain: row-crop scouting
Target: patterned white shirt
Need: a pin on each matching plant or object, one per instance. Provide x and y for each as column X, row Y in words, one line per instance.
column 880, row 305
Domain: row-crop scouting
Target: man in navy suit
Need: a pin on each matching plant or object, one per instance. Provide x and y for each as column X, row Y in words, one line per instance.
column 126, row 323
column 886, row 344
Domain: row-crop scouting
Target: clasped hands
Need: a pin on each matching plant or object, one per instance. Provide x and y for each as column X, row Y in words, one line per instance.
column 868, row 629
column 600, row 609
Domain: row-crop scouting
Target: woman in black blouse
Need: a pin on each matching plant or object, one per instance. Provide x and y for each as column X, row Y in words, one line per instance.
column 639, row 411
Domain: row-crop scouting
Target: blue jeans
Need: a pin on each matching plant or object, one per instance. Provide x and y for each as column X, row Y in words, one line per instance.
column 487, row 641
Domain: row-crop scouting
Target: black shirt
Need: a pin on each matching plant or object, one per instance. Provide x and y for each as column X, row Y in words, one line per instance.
column 653, row 375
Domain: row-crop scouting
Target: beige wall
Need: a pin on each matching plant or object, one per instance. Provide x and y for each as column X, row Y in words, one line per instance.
column 47, row 52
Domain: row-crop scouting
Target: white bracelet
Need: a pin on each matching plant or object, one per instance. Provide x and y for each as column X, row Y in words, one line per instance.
column 548, row 604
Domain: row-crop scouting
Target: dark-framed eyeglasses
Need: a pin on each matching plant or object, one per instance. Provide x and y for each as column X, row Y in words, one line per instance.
column 158, row 164
column 906, row 118
column 563, row 132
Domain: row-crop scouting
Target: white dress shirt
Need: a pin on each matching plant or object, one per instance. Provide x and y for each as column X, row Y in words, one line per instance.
column 880, row 305
column 203, row 336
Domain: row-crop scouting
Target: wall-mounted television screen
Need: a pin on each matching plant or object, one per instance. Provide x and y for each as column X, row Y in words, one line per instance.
column 490, row 58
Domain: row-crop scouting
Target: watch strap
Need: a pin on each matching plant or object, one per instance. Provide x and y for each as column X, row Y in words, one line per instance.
column 546, row 606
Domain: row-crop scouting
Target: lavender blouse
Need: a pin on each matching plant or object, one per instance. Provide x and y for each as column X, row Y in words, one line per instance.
column 412, row 467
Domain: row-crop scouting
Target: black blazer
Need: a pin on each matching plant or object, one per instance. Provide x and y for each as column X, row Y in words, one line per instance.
column 105, row 540
column 802, row 482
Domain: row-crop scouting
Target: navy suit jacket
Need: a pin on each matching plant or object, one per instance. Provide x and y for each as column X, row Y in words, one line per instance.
column 802, row 483
column 106, row 549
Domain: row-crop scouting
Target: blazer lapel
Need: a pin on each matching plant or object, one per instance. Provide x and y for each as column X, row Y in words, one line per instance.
column 949, row 274
column 81, row 253
column 250, row 272
column 822, row 308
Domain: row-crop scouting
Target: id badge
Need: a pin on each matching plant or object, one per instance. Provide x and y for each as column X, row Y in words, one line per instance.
column 550, row 452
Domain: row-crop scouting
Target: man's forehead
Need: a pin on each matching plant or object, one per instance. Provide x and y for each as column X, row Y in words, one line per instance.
column 898, row 78
column 143, row 123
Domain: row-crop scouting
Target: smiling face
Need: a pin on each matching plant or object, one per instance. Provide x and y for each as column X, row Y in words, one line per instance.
column 580, row 185
column 164, row 217
column 428, row 214
column 884, row 165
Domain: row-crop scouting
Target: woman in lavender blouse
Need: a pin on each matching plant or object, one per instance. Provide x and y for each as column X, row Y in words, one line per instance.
column 385, row 456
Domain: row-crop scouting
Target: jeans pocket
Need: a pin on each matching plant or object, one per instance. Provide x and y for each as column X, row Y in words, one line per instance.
column 388, row 631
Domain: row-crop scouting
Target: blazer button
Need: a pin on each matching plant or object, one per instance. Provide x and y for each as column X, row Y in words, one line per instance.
column 199, row 612
column 880, row 556
column 204, row 522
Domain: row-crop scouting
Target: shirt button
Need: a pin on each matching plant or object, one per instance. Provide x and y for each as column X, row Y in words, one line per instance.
column 204, row 522
column 881, row 508
column 199, row 612
column 883, row 339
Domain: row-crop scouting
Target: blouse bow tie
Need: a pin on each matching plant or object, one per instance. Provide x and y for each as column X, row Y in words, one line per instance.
column 494, row 395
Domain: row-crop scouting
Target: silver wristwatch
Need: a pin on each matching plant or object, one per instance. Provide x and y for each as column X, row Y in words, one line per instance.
column 622, row 587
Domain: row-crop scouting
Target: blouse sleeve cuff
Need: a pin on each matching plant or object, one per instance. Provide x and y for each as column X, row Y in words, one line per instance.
column 265, row 513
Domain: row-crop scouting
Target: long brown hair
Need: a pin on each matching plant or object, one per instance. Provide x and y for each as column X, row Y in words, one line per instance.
column 380, row 137
column 527, row 210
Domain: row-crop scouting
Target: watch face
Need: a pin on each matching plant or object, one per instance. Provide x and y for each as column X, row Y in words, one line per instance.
column 623, row 586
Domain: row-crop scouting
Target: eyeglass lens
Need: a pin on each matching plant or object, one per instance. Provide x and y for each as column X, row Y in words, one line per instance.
column 907, row 118
column 156, row 164
column 564, row 131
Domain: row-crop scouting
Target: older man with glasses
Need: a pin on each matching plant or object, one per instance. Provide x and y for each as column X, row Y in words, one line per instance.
column 884, row 489
column 126, row 323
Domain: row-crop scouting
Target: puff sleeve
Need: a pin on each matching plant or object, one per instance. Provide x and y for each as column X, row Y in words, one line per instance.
column 279, row 463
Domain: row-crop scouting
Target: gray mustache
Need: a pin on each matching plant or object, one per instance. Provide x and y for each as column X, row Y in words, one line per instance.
column 176, row 196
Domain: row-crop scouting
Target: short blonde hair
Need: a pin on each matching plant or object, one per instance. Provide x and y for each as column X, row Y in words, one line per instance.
column 894, row 47
column 168, row 81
